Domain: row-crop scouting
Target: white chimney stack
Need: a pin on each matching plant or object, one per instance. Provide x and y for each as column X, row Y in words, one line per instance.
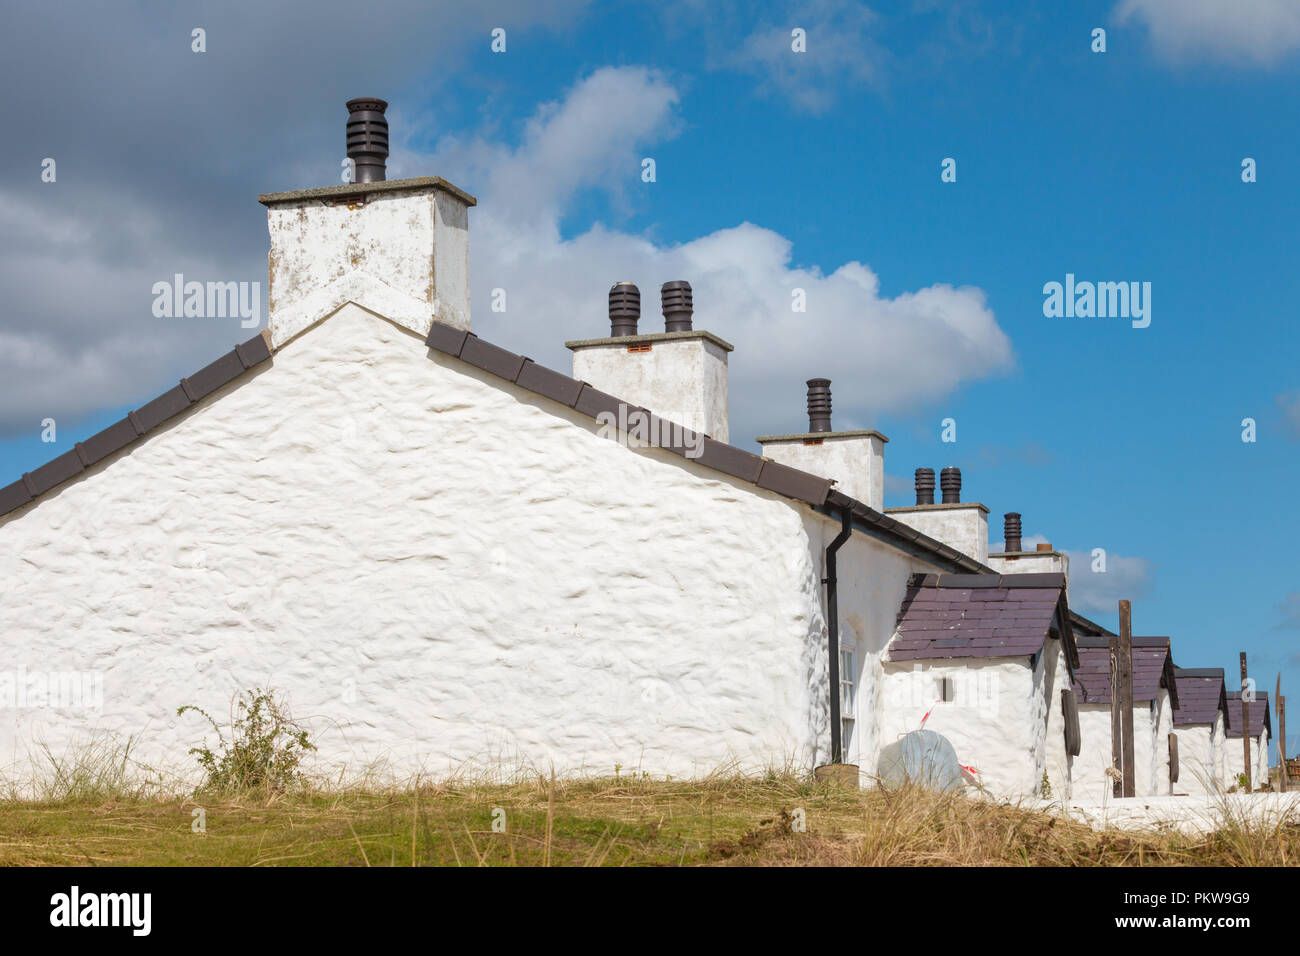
column 854, row 460
column 958, row 524
column 679, row 374
column 397, row 247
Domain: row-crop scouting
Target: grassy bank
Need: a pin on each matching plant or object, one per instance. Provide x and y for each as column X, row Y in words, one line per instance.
column 609, row 822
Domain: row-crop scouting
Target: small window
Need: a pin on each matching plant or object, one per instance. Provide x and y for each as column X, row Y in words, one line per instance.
column 848, row 697
column 1173, row 758
column 946, row 690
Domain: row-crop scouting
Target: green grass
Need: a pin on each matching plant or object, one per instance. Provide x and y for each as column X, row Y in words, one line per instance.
column 724, row 820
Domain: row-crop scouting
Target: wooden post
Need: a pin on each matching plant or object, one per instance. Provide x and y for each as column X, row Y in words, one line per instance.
column 1116, row 731
column 1245, row 721
column 1281, row 738
column 1126, row 695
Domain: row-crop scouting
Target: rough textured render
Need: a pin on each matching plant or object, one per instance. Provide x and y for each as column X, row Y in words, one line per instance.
column 962, row 526
column 854, row 460
column 995, row 720
column 1261, row 729
column 442, row 571
column 1200, row 757
column 401, row 251
column 680, row 376
column 1059, row 764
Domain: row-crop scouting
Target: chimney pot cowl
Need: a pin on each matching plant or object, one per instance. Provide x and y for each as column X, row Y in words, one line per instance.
column 1011, row 531
column 367, row 138
column 925, row 486
column 624, row 309
column 819, row 404
column 678, row 305
column 950, row 483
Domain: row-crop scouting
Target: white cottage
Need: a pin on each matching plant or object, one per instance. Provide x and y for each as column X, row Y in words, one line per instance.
column 1155, row 701
column 983, row 659
column 450, row 557
column 1200, row 725
column 1261, row 732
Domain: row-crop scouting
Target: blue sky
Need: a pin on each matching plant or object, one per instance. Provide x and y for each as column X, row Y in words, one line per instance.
column 925, row 297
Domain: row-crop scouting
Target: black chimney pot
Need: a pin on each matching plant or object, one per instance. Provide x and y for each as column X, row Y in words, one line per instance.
column 925, row 486
column 819, row 404
column 950, row 482
column 624, row 309
column 677, row 305
column 368, row 139
column 1011, row 531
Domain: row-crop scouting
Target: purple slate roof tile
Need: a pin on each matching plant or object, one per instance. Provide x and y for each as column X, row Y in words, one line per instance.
column 1152, row 669
column 980, row 615
column 1200, row 693
column 1256, row 712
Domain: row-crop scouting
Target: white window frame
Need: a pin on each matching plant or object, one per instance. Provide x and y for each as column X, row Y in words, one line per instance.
column 849, row 699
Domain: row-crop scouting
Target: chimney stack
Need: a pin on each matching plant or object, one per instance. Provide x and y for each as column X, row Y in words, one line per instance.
column 853, row 459
column 1011, row 531
column 677, row 305
column 950, row 484
column 398, row 248
column 964, row 526
column 925, row 486
column 679, row 374
column 368, row 139
column 624, row 309
column 1016, row 559
column 819, row 405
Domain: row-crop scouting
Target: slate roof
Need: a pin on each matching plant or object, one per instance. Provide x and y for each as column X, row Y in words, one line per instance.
column 945, row 616
column 1153, row 668
column 136, row 424
column 1200, row 694
column 1256, row 713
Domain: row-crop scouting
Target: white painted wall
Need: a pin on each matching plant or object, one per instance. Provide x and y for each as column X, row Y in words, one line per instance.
column 994, row 722
column 1198, row 771
column 1151, row 726
column 1058, row 763
column 1235, row 759
column 1091, row 784
column 442, row 571
column 1162, row 725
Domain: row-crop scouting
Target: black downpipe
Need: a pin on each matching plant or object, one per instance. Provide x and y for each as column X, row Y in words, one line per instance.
column 833, row 626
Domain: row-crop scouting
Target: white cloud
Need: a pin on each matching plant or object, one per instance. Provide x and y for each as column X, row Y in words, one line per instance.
column 839, row 52
column 883, row 354
column 1100, row 592
column 1252, row 32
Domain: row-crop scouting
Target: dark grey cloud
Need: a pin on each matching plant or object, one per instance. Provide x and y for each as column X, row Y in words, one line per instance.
column 160, row 155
